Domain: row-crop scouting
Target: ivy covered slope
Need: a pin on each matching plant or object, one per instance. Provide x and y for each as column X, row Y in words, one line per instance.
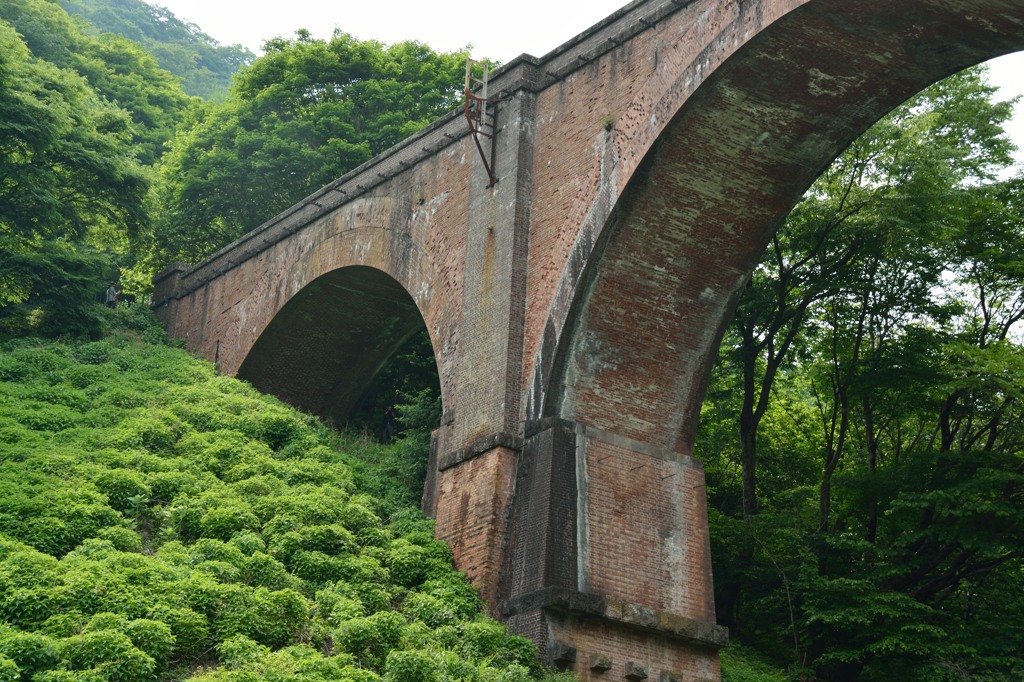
column 160, row 522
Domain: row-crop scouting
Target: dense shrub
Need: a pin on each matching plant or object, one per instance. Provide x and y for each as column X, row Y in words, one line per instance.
column 158, row 521
column 29, row 651
column 109, row 652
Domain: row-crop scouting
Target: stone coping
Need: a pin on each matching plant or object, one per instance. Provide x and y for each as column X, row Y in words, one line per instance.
column 691, row 630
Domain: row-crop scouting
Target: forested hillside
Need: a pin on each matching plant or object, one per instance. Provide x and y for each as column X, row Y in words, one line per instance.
column 204, row 66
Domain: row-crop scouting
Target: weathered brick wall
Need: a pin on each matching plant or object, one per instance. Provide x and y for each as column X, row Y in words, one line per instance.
column 609, row 555
column 598, row 123
column 491, row 341
column 607, row 651
column 544, row 532
column 646, row 538
column 475, row 497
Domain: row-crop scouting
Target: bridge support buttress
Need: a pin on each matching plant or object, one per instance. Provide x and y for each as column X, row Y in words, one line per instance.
column 606, row 563
column 593, row 546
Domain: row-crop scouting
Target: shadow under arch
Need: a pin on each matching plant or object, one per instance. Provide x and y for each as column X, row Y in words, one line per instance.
column 675, row 254
column 326, row 346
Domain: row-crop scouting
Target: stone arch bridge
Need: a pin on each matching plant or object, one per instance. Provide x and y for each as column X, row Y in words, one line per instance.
column 575, row 306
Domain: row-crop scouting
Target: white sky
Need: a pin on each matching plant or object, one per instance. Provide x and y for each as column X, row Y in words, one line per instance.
column 532, row 26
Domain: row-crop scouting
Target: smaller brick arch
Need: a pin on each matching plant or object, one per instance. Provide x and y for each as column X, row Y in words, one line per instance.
column 313, row 315
column 323, row 349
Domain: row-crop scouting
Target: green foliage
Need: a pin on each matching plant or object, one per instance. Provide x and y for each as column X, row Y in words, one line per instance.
column 65, row 165
column 9, row 671
column 863, row 427
column 108, row 652
column 410, row 666
column 158, row 521
column 742, row 664
column 204, row 67
column 118, row 70
column 76, row 116
column 55, row 286
column 300, row 116
column 29, row 651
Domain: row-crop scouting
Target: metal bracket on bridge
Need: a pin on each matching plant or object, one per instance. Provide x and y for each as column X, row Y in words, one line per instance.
column 481, row 115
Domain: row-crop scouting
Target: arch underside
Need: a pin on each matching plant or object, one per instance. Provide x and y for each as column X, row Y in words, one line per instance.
column 326, row 346
column 680, row 244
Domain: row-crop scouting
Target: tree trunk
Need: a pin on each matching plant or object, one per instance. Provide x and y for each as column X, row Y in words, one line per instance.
column 748, row 436
column 872, row 453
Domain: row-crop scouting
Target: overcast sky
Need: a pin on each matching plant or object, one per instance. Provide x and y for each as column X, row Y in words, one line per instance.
column 496, row 30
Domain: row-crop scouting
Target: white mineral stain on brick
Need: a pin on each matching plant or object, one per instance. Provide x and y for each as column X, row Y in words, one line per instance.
column 821, row 83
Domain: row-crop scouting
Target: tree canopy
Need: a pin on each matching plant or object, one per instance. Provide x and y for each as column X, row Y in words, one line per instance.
column 119, row 70
column 301, row 116
column 67, row 170
column 863, row 426
column 82, row 120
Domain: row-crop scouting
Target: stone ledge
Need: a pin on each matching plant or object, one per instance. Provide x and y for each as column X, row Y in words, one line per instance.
column 480, row 447
column 644, row 618
column 533, row 427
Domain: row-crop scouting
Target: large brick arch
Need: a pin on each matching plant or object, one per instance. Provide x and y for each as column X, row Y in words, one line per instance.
column 669, row 263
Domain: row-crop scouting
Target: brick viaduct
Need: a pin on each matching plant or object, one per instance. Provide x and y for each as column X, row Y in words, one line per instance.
column 576, row 306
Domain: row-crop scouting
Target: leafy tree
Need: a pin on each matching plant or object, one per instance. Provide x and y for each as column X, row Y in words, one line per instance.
column 67, row 176
column 52, row 289
column 66, row 165
column 117, row 69
column 876, row 352
column 80, row 118
column 300, row 116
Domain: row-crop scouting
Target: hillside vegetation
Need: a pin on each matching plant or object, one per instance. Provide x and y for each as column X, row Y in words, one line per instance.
column 158, row 521
column 204, row 66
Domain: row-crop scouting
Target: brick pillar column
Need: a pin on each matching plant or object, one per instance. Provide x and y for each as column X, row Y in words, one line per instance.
column 476, row 454
column 609, row 564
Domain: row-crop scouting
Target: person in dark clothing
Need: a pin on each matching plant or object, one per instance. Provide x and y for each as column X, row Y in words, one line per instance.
column 388, row 433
